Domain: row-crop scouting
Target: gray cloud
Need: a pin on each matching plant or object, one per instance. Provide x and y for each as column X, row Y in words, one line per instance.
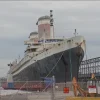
column 18, row 19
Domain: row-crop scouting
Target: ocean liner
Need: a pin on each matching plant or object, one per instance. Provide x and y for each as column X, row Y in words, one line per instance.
column 46, row 55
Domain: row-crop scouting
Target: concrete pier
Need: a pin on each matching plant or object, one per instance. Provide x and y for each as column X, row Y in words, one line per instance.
column 36, row 96
column 14, row 97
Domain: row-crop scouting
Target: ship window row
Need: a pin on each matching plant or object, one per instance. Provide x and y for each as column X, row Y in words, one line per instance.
column 69, row 40
column 46, row 52
column 53, row 40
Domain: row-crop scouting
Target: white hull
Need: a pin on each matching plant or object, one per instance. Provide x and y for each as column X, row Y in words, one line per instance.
column 56, row 48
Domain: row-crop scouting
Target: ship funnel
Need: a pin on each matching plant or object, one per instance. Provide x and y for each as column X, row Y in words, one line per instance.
column 45, row 27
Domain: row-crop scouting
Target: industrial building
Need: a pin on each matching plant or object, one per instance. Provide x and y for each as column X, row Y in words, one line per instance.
column 88, row 67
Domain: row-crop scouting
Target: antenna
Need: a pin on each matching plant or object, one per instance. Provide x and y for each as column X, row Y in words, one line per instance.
column 16, row 61
column 51, row 24
column 19, row 58
column 51, row 18
column 75, row 33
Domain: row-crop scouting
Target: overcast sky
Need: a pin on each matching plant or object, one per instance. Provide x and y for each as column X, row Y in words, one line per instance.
column 18, row 19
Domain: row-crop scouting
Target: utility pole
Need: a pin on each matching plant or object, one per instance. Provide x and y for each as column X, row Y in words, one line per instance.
column 53, row 88
column 0, row 94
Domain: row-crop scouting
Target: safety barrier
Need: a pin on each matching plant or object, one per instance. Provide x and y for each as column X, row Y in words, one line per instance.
column 82, row 98
column 51, row 91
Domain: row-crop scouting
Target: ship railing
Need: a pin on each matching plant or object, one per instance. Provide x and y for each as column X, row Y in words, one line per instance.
column 21, row 63
column 26, row 59
column 60, row 37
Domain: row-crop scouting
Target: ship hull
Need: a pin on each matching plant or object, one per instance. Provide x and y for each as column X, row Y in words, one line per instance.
column 64, row 66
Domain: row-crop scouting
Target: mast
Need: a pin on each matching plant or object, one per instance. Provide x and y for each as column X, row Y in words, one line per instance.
column 51, row 24
column 75, row 33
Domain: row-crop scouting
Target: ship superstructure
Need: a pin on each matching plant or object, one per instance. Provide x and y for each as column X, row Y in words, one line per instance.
column 44, row 53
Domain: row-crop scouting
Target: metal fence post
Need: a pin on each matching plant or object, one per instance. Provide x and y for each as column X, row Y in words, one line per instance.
column 53, row 88
column 0, row 90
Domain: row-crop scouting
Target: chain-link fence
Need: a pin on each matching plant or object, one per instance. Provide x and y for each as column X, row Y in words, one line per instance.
column 37, row 90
